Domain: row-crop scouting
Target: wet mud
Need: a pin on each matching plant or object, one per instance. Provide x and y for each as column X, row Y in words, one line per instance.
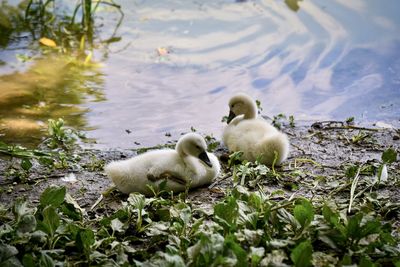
column 316, row 168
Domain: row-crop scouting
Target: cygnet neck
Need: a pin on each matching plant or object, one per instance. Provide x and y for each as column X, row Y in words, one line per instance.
column 179, row 149
column 251, row 113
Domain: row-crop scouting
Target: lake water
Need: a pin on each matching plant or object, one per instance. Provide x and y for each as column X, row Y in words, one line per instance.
column 178, row 62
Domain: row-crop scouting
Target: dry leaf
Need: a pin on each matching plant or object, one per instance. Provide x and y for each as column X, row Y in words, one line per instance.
column 162, row 51
column 47, row 42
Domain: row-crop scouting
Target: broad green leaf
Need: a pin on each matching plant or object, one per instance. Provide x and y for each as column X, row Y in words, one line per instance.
column 46, row 160
column 353, row 226
column 6, row 252
column 351, row 171
column 46, row 261
column 11, row 262
column 256, row 254
column 364, row 262
column 228, row 211
column 71, row 208
column 51, row 220
column 304, row 213
column 137, row 200
column 239, row 252
column 20, row 209
column 370, row 227
column 117, row 225
column 53, row 195
column 389, row 156
column 26, row 164
column 27, row 224
column 330, row 216
column 84, row 240
column 302, row 254
column 346, row 260
column 29, row 260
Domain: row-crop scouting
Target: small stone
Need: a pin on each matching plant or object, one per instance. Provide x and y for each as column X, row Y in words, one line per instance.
column 396, row 137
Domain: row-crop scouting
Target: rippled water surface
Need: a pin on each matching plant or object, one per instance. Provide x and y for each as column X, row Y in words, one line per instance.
column 178, row 62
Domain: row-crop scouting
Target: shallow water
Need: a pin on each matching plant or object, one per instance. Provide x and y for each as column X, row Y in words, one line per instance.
column 329, row 60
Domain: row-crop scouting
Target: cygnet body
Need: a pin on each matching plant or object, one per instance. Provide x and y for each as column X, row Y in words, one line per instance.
column 187, row 165
column 255, row 137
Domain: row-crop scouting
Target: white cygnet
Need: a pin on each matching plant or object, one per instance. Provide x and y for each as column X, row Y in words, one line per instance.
column 188, row 165
column 255, row 137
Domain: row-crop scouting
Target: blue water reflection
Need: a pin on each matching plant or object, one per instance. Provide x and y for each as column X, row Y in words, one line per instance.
column 329, row 60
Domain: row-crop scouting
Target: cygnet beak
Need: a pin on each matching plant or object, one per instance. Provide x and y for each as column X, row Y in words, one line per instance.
column 231, row 116
column 204, row 158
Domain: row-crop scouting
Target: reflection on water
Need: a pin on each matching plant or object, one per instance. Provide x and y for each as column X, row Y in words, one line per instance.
column 51, row 88
column 312, row 59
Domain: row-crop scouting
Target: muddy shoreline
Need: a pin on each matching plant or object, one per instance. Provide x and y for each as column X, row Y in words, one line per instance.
column 320, row 154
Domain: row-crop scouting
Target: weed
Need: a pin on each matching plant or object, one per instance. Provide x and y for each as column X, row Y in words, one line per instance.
column 291, row 121
column 277, row 120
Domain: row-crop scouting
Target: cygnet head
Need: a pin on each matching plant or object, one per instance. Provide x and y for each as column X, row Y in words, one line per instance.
column 194, row 145
column 242, row 104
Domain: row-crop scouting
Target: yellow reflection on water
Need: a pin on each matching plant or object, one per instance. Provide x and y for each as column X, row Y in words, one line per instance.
column 52, row 87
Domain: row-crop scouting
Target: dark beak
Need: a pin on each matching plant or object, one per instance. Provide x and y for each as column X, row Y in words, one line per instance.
column 231, row 116
column 204, row 158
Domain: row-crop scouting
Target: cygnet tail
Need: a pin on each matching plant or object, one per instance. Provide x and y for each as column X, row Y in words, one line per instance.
column 278, row 143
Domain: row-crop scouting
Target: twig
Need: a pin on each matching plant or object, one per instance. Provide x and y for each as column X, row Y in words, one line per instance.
column 306, row 160
column 218, row 181
column 350, row 127
column 299, row 148
column 101, row 197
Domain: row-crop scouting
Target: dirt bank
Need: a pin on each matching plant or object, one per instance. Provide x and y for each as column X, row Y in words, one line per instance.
column 320, row 155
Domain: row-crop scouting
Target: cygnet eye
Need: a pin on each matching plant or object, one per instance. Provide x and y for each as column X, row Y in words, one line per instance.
column 198, row 147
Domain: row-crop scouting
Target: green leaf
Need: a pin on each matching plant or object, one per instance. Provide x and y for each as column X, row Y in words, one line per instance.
column 29, row 260
column 256, row 254
column 304, row 213
column 51, row 220
column 71, row 208
column 53, row 195
column 389, row 156
column 137, row 200
column 27, row 224
column 346, row 260
column 227, row 211
column 302, row 254
column 239, row 252
column 20, row 209
column 353, row 226
column 370, row 227
column 84, row 240
column 351, row 171
column 46, row 261
column 46, row 160
column 26, row 164
column 117, row 225
column 6, row 252
column 364, row 262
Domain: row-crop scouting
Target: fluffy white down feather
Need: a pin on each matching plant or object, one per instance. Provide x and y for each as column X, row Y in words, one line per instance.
column 255, row 137
column 132, row 175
